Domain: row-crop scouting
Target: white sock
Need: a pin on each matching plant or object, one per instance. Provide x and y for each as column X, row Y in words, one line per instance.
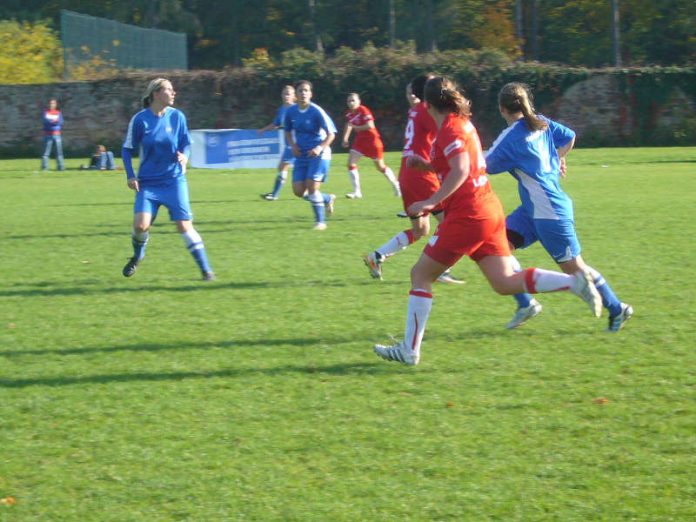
column 193, row 240
column 396, row 244
column 538, row 280
column 355, row 180
column 389, row 174
column 419, row 304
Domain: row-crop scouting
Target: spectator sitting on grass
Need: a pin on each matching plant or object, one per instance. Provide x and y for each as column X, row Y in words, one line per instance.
column 101, row 159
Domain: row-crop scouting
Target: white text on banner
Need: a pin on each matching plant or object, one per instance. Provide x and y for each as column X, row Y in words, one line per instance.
column 236, row 149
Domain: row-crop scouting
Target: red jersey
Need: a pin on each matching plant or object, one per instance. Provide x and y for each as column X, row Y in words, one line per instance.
column 474, row 198
column 367, row 142
column 420, row 132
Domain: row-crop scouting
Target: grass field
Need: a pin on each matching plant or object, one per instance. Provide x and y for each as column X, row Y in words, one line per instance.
column 258, row 397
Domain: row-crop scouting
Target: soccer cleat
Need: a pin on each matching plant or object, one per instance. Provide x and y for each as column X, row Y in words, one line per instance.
column 374, row 265
column 522, row 315
column 402, row 214
column 320, row 226
column 209, row 276
column 131, row 266
column 330, row 205
column 584, row 288
column 354, row 195
column 269, row 197
column 616, row 322
column 447, row 278
column 397, row 352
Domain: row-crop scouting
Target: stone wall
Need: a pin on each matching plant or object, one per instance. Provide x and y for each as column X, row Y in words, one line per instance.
column 99, row 112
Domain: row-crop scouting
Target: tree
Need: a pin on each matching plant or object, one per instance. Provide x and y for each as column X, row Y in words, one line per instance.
column 29, row 53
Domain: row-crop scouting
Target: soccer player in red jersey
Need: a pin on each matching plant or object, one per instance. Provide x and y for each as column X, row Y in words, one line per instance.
column 367, row 142
column 474, row 224
column 417, row 183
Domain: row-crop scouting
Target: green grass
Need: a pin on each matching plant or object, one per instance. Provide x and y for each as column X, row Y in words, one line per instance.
column 257, row 396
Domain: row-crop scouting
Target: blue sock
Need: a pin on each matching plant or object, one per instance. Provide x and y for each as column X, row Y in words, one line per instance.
column 279, row 182
column 609, row 299
column 524, row 299
column 139, row 242
column 194, row 243
column 317, row 200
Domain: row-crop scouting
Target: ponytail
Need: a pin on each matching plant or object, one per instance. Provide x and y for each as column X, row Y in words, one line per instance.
column 444, row 95
column 517, row 97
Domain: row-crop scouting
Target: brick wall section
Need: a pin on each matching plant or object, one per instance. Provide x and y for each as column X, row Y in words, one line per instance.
column 99, row 112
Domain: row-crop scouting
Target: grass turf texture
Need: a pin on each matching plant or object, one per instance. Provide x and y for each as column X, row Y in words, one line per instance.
column 257, row 396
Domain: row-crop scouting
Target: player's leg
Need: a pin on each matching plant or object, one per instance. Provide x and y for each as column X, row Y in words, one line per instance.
column 60, row 162
column 179, row 207
column 389, row 174
column 354, row 175
column 420, row 301
column 144, row 208
column 48, row 146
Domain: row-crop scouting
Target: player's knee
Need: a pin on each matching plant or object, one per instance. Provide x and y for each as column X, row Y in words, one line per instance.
column 352, row 166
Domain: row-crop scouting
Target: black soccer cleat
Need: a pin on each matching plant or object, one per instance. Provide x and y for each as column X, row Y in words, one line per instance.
column 130, row 267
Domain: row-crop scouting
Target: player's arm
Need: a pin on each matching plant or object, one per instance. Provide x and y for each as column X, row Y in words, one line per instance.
column 369, row 125
column 346, row 134
column 459, row 172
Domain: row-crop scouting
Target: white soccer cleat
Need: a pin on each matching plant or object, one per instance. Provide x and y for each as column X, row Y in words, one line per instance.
column 522, row 315
column 447, row 278
column 354, row 195
column 398, row 353
column 616, row 322
column 374, row 265
column 585, row 289
column 320, row 226
column 330, row 205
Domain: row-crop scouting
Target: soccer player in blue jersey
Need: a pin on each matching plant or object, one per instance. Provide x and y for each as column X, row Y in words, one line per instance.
column 286, row 158
column 533, row 149
column 160, row 133
column 310, row 131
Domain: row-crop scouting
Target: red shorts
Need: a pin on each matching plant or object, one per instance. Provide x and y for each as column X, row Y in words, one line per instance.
column 476, row 238
column 416, row 185
column 370, row 146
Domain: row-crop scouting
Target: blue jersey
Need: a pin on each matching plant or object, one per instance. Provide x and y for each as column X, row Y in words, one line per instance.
column 531, row 157
column 310, row 127
column 279, row 120
column 158, row 139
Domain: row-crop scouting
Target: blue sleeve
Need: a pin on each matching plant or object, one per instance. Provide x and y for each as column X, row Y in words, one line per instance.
column 560, row 133
column 287, row 121
column 279, row 117
column 497, row 159
column 127, row 156
column 60, row 119
column 184, row 136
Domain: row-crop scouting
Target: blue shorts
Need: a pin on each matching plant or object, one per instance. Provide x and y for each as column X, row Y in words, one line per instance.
column 315, row 169
column 557, row 236
column 174, row 195
column 288, row 157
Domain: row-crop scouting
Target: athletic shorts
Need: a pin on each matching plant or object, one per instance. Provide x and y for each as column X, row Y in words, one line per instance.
column 315, row 169
column 288, row 157
column 372, row 148
column 476, row 238
column 417, row 185
column 557, row 236
column 174, row 195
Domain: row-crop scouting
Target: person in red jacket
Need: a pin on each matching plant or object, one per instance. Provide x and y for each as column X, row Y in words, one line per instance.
column 474, row 225
column 52, row 119
column 366, row 142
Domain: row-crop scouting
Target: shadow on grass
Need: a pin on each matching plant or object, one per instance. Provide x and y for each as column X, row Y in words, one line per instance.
column 50, row 289
column 335, row 370
column 157, row 347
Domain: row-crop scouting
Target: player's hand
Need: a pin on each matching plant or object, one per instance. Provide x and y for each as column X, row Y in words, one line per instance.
column 133, row 184
column 315, row 152
column 415, row 162
column 344, row 144
column 420, row 207
column 295, row 150
column 564, row 167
